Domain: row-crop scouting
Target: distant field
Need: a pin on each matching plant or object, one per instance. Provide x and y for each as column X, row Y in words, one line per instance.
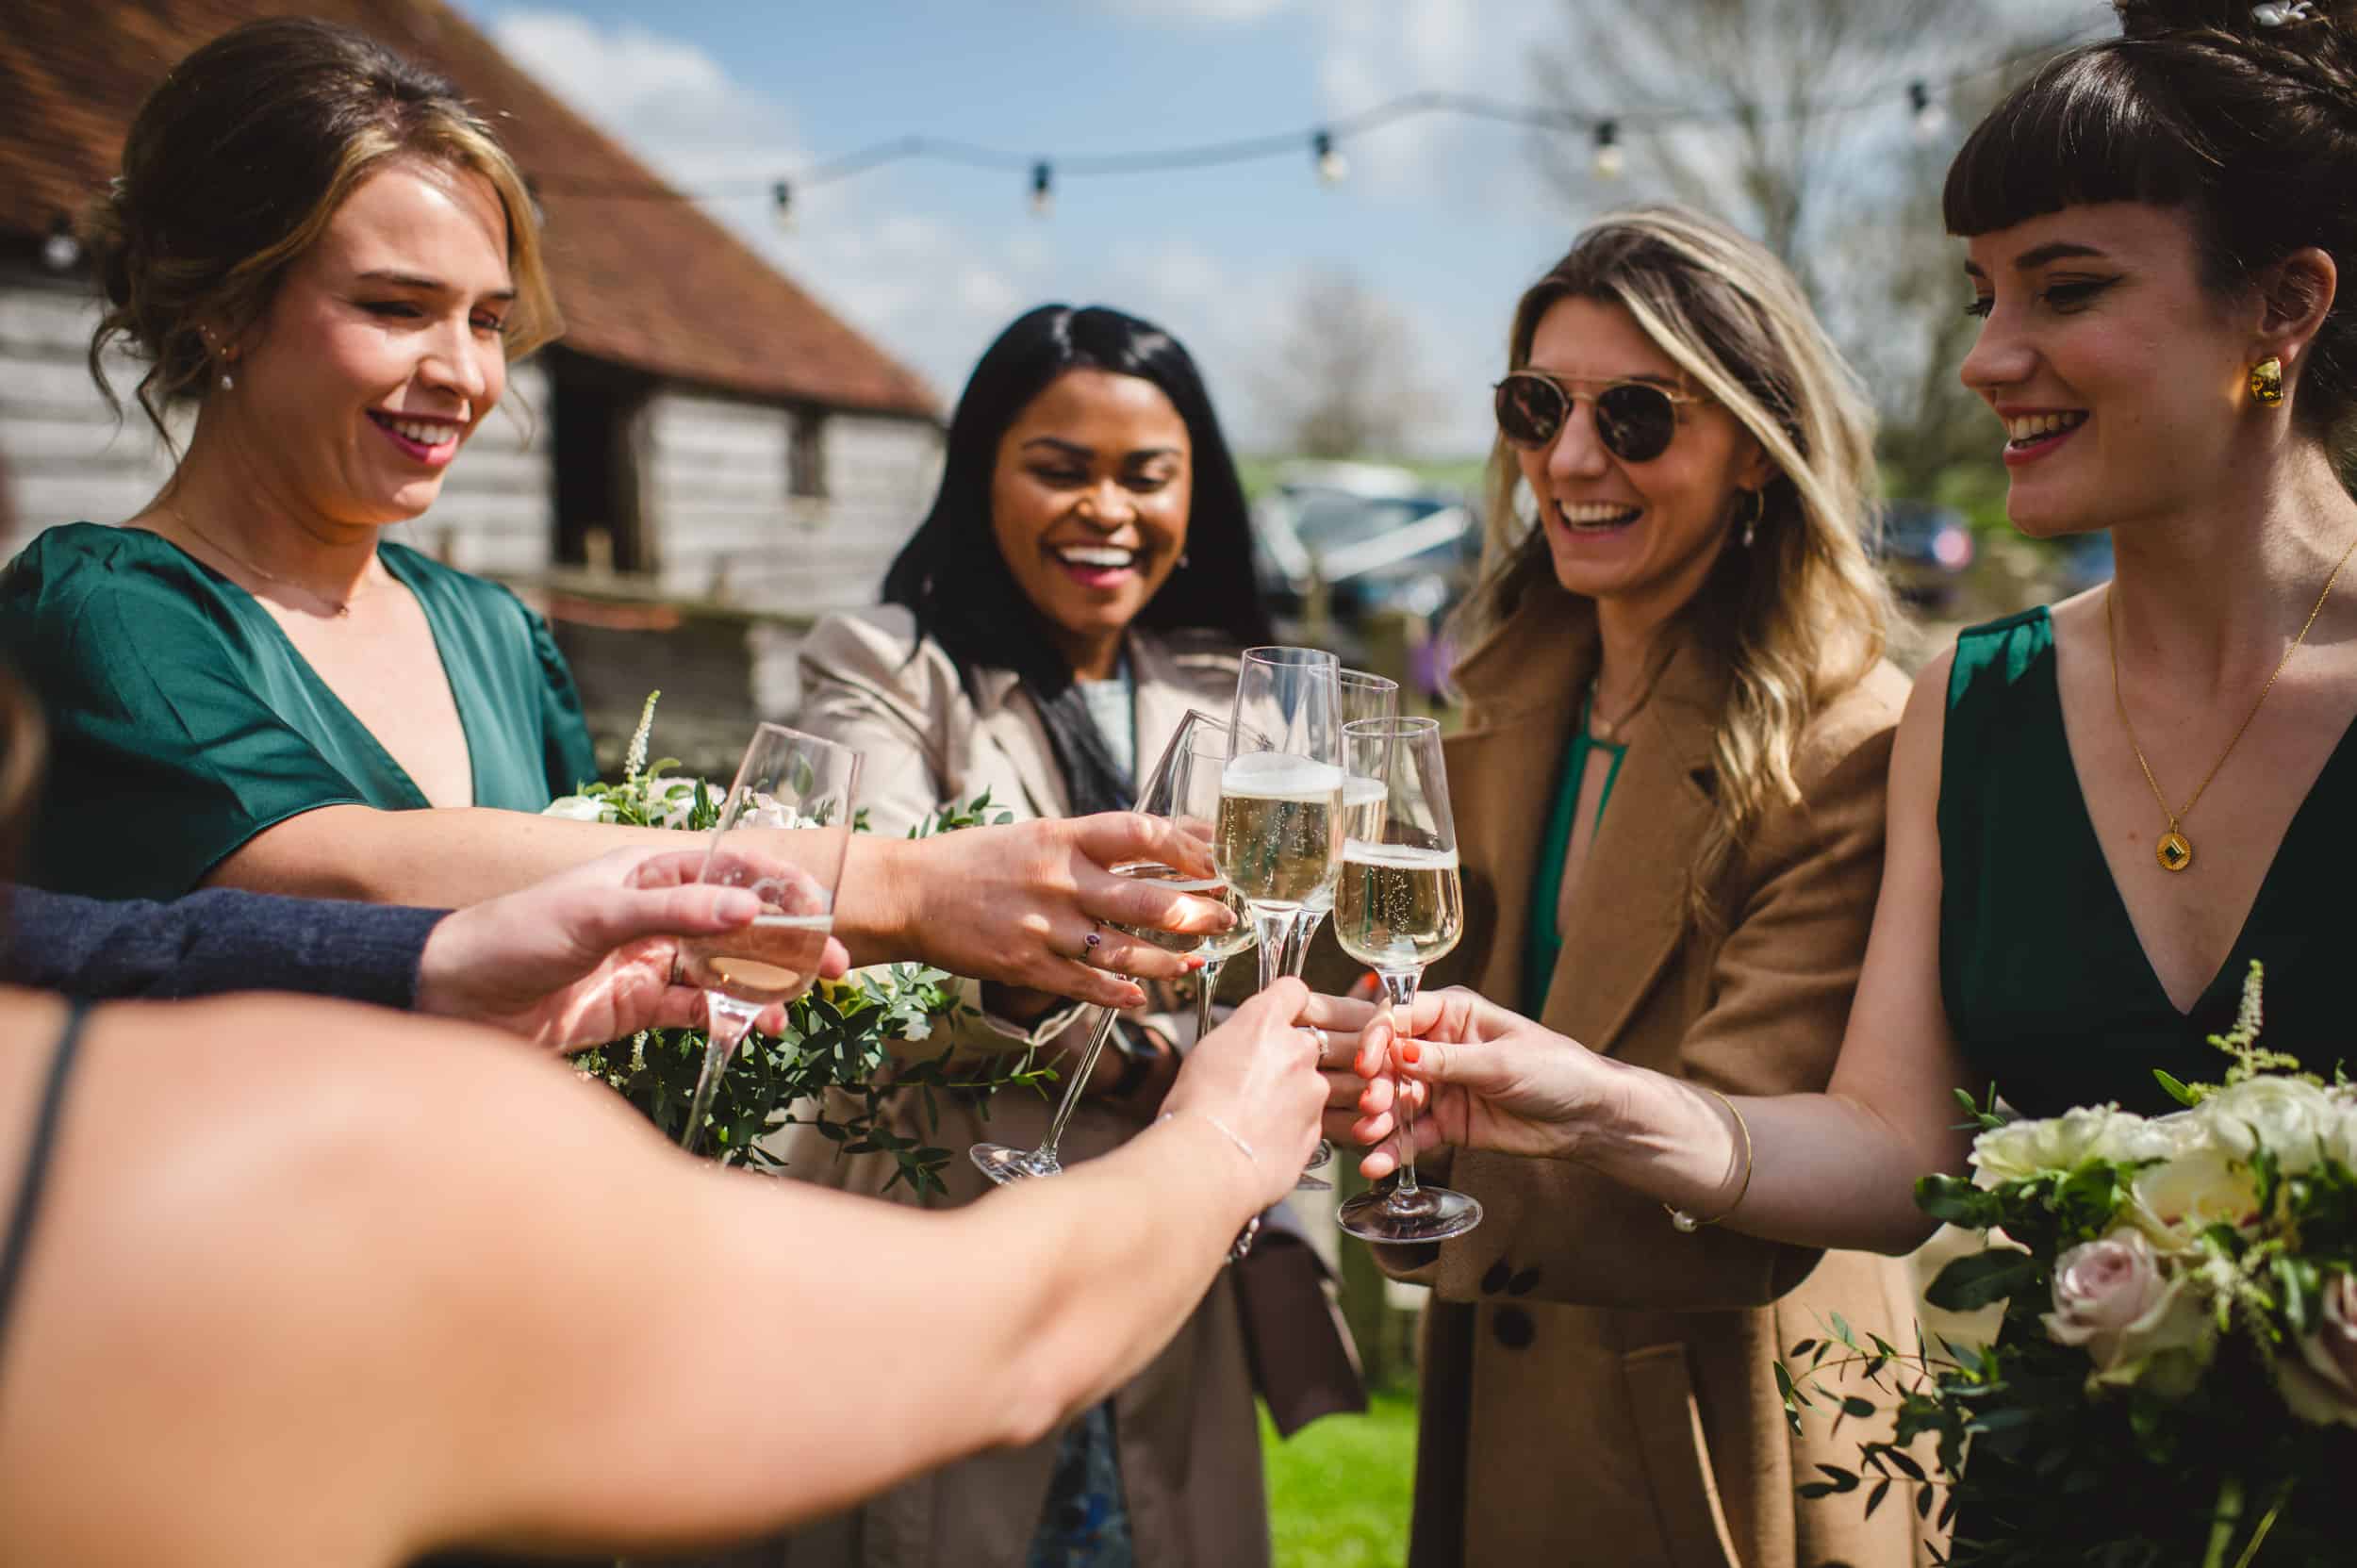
column 1339, row 1491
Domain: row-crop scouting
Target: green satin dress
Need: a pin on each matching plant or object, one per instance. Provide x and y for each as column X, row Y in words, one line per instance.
column 181, row 721
column 2046, row 985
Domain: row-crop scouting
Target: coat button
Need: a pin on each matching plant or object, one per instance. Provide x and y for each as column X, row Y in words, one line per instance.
column 1514, row 1328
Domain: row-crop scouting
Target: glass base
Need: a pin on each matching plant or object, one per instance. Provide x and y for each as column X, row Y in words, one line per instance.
column 1004, row 1165
column 1312, row 1183
column 1426, row 1214
column 1321, row 1156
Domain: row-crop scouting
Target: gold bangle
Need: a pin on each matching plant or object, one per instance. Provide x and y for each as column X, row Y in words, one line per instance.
column 1685, row 1223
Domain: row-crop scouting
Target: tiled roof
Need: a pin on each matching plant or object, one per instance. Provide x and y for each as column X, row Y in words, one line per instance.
column 656, row 285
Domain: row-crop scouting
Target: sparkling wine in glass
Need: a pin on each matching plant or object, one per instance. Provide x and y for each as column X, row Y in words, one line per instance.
column 788, row 780
column 1177, row 788
column 1399, row 905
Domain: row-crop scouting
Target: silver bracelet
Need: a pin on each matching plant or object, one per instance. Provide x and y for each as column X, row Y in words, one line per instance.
column 1224, row 1127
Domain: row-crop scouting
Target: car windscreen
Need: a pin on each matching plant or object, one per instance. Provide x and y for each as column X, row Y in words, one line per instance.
column 1329, row 521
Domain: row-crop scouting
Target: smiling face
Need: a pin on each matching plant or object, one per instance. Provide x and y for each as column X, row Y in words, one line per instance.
column 2117, row 374
column 1635, row 537
column 381, row 352
column 1089, row 502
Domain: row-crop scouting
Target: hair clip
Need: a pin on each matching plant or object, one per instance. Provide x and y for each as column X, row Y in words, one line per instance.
column 2277, row 13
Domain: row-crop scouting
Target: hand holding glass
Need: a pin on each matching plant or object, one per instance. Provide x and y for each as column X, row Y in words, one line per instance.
column 787, row 780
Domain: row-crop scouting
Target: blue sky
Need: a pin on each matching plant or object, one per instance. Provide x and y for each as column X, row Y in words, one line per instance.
column 1446, row 219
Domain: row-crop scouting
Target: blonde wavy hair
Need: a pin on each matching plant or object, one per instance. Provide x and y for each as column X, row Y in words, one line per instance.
column 235, row 164
column 1803, row 615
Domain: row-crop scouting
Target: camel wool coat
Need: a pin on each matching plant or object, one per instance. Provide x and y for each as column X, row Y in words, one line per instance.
column 1190, row 1447
column 1599, row 1388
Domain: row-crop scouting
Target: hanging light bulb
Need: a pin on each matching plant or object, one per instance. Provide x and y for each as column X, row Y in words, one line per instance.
column 1931, row 119
column 1332, row 167
column 1610, row 161
column 1043, row 189
column 60, row 251
column 782, row 207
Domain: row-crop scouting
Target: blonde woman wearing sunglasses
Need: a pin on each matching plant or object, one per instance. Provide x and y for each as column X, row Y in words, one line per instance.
column 1669, row 807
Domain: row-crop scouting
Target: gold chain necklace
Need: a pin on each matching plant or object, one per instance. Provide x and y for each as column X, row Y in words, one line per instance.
column 2173, row 850
column 342, row 607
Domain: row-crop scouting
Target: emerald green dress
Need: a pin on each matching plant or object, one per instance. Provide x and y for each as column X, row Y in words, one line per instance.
column 2046, row 987
column 181, row 721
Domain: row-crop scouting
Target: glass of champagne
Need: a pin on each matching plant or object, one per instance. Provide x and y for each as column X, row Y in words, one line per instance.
column 1188, row 792
column 1280, row 838
column 787, row 780
column 1363, row 696
column 1399, row 906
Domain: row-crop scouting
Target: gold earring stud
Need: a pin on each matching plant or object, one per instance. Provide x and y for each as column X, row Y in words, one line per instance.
column 2267, row 382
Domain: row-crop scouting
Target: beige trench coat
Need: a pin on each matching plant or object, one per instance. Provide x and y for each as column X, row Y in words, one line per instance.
column 1598, row 1387
column 1189, row 1440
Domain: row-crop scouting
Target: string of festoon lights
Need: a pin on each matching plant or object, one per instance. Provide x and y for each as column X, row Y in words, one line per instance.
column 1922, row 98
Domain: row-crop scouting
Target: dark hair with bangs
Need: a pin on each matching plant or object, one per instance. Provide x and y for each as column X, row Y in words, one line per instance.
column 2250, row 131
column 953, row 577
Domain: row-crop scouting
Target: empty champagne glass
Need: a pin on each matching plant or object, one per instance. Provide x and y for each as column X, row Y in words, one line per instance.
column 1209, row 747
column 1398, row 906
column 787, row 780
column 1175, row 790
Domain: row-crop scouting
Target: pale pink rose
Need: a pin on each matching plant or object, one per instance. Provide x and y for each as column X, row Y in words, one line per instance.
column 2321, row 1386
column 2112, row 1298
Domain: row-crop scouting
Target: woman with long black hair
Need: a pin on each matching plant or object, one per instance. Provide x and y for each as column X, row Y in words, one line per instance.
column 1083, row 579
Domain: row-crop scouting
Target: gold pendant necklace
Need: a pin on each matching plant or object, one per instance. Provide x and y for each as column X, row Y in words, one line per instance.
column 2173, row 850
column 341, row 606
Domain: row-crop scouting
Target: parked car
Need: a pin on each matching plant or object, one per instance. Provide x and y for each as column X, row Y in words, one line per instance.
column 1926, row 551
column 1375, row 537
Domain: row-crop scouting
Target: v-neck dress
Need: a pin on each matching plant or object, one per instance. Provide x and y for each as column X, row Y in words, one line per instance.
column 2047, row 987
column 183, row 722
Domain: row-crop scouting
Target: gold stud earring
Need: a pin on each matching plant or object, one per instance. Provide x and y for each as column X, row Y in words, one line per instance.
column 2267, row 382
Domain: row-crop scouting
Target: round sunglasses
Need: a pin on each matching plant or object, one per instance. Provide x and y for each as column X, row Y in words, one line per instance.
column 1635, row 420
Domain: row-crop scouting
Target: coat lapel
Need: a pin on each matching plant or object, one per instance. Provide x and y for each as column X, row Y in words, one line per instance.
column 1005, row 722
column 1168, row 685
column 1630, row 909
column 1523, row 683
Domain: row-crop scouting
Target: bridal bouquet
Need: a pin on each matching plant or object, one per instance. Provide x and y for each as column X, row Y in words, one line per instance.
column 834, row 1067
column 2176, row 1378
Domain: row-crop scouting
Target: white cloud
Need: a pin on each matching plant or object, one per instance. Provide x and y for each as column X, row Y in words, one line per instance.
column 1198, row 10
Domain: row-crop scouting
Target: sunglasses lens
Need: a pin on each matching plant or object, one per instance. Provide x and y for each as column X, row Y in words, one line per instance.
column 1636, row 422
column 1530, row 410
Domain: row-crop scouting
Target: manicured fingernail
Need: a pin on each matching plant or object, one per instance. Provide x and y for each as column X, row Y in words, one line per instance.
column 1412, row 1051
column 1193, row 964
column 737, row 904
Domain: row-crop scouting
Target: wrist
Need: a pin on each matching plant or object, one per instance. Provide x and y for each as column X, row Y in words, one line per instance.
column 436, row 990
column 873, row 907
column 1215, row 1148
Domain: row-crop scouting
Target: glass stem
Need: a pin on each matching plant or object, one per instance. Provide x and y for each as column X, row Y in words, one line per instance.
column 1399, row 992
column 726, row 1023
column 1097, row 1037
column 1207, row 981
column 1274, row 926
column 1304, row 927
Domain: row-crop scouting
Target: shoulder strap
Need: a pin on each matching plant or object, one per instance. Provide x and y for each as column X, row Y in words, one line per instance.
column 28, row 1191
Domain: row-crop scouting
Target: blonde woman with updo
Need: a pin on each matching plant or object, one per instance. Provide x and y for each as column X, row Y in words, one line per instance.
column 1669, row 798
column 324, row 254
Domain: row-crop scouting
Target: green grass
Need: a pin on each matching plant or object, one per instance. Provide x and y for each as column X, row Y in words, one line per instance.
column 1338, row 1490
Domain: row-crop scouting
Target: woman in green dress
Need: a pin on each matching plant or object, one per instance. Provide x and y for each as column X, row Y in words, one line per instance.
column 321, row 248
column 2101, row 812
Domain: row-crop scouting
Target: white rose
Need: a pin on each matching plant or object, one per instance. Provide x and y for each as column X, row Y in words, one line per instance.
column 2023, row 1148
column 575, row 808
column 2321, row 1385
column 766, row 810
column 2114, row 1297
column 2174, row 1201
column 670, row 801
column 2290, row 1117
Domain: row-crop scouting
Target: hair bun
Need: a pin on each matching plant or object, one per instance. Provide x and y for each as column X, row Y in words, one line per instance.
column 2273, row 21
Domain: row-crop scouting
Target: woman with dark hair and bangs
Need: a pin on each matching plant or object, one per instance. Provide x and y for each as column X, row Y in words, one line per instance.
column 1083, row 579
column 2101, row 812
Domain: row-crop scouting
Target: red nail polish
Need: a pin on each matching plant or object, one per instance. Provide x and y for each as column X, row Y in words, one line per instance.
column 1411, row 1051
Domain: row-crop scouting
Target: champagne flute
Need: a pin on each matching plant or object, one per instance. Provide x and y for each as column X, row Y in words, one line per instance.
column 1166, row 793
column 1280, row 822
column 1399, row 906
column 1208, row 748
column 787, row 780
column 1363, row 696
